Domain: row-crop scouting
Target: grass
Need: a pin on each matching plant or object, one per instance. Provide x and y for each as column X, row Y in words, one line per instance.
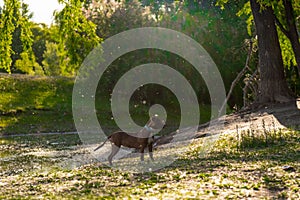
column 33, row 104
column 224, row 173
column 249, row 139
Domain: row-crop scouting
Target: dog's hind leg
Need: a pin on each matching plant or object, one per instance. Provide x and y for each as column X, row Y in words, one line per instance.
column 142, row 154
column 114, row 150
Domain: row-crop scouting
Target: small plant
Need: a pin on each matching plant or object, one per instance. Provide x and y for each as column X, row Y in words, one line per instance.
column 262, row 138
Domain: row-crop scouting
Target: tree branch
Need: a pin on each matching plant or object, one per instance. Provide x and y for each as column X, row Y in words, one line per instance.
column 250, row 85
column 285, row 32
column 239, row 76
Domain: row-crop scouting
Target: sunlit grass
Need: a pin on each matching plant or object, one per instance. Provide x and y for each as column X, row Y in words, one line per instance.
column 32, row 104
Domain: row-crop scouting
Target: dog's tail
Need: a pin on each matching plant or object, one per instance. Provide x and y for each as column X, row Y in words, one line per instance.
column 101, row 145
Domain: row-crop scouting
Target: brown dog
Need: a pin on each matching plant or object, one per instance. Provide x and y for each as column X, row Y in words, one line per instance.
column 142, row 139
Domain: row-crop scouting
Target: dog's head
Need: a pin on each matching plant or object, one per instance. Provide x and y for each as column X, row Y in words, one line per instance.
column 156, row 123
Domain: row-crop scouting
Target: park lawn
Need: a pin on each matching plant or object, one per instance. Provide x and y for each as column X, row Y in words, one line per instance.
column 227, row 172
column 40, row 104
column 33, row 104
column 37, row 104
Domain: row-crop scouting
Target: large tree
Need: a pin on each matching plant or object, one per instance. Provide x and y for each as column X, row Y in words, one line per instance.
column 268, row 15
column 272, row 85
column 77, row 34
column 16, row 38
column 7, row 28
column 24, row 60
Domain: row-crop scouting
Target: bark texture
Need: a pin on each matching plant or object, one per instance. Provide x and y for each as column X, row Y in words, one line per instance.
column 272, row 85
column 292, row 33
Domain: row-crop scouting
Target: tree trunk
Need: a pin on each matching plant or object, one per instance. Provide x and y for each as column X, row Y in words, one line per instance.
column 272, row 84
column 292, row 33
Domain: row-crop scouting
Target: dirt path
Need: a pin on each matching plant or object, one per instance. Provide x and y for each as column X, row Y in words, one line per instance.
column 273, row 117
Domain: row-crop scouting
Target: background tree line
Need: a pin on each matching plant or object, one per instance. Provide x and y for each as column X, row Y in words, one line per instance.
column 59, row 49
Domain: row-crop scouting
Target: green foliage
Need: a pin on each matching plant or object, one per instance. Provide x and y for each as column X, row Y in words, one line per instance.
column 246, row 10
column 16, row 39
column 27, row 64
column 278, row 7
column 77, row 34
column 114, row 17
column 7, row 28
column 25, row 26
column 288, row 55
column 220, row 32
column 41, row 35
column 52, row 56
column 222, row 3
column 60, row 48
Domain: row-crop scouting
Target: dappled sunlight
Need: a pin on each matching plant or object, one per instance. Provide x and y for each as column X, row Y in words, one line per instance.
column 224, row 172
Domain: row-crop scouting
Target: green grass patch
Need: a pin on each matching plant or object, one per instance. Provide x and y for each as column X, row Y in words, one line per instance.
column 30, row 104
column 33, row 104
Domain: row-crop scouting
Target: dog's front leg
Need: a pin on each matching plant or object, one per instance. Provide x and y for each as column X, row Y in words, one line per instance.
column 150, row 148
column 114, row 151
column 142, row 153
